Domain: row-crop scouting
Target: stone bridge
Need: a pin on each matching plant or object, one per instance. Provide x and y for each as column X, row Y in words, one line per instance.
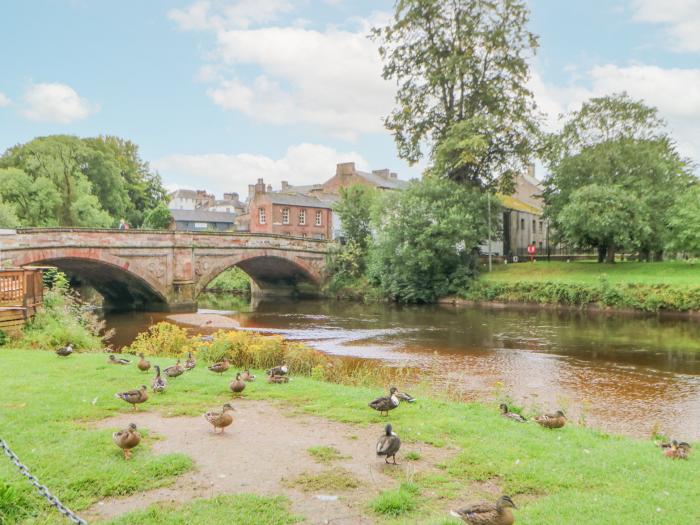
column 166, row 270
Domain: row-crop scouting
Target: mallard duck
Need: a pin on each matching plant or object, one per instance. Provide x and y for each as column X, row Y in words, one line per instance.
column 404, row 396
column 143, row 365
column 247, row 376
column 386, row 403
column 278, row 370
column 511, row 415
column 159, row 383
column 134, row 397
column 484, row 513
column 190, row 363
column 237, row 385
column 65, row 351
column 220, row 419
column 676, row 450
column 127, row 439
column 388, row 444
column 220, row 367
column 556, row 420
column 278, row 379
column 114, row 361
column 175, row 370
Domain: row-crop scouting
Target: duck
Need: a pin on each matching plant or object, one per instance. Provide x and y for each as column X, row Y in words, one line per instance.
column 120, row 361
column 676, row 450
column 386, row 403
column 190, row 363
column 278, row 370
column 388, row 444
column 127, row 439
column 159, row 383
column 237, row 385
column 143, row 365
column 485, row 513
column 403, row 396
column 65, row 351
column 134, row 397
column 175, row 370
column 220, row 419
column 220, row 367
column 247, row 376
column 511, row 415
column 556, row 420
column 278, row 379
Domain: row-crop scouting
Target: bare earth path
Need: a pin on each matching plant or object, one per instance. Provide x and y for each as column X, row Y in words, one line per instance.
column 262, row 452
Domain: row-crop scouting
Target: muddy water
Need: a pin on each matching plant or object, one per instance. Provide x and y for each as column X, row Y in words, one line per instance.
column 621, row 373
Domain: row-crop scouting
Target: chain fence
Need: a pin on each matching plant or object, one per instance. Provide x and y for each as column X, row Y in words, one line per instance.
column 41, row 489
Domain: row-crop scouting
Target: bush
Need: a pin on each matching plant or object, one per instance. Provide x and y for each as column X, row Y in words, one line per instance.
column 162, row 339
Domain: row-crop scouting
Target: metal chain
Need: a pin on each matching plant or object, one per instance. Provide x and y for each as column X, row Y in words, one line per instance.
column 39, row 487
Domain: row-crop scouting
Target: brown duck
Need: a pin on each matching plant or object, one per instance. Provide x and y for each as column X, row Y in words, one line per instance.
column 556, row 420
column 134, row 397
column 237, row 385
column 127, row 439
column 220, row 367
column 120, row 361
column 386, row 403
column 278, row 380
column 676, row 450
column 388, row 444
column 247, row 376
column 143, row 365
column 159, row 383
column 191, row 362
column 484, row 513
column 511, row 415
column 220, row 419
column 175, row 370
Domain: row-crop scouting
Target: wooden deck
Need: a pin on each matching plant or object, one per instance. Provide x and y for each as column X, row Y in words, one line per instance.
column 21, row 293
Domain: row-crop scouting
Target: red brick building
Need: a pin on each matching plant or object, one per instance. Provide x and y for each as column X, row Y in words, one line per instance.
column 284, row 213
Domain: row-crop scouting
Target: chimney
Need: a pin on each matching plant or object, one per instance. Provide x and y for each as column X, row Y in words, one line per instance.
column 285, row 185
column 269, row 188
column 260, row 186
column 384, row 174
column 345, row 168
column 251, row 191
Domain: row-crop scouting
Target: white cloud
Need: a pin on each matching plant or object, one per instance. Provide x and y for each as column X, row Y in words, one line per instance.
column 301, row 164
column 221, row 15
column 670, row 90
column 55, row 103
column 4, row 100
column 681, row 18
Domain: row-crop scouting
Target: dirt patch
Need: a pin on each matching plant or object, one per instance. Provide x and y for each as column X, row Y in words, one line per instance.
column 205, row 320
column 262, row 452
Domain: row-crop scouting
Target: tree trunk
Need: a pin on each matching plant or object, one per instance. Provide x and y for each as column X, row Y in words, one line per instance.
column 610, row 256
column 601, row 253
column 658, row 256
column 645, row 255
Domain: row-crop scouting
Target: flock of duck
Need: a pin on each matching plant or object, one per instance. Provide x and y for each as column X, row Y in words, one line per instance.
column 388, row 445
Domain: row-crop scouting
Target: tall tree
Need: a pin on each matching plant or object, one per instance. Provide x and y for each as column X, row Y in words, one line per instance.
column 458, row 61
column 684, row 222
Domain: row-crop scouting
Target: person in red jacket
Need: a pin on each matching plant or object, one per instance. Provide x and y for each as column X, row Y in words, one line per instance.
column 532, row 251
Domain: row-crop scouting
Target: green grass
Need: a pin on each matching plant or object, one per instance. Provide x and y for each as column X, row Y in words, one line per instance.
column 590, row 272
column 413, row 455
column 574, row 475
column 396, row 502
column 221, row 510
column 337, row 479
column 324, row 454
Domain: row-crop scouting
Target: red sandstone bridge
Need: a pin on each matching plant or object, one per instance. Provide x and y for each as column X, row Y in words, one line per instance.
column 141, row 269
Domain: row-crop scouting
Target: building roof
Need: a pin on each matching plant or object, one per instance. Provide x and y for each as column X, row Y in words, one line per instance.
column 183, row 194
column 387, row 183
column 203, row 216
column 513, row 203
column 295, row 199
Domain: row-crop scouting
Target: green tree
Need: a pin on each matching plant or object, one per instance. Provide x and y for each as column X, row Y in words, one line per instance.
column 8, row 218
column 354, row 208
column 601, row 217
column 425, row 239
column 684, row 222
column 159, row 218
column 616, row 142
column 462, row 61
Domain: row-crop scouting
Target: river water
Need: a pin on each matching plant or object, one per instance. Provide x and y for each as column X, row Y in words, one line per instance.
column 620, row 373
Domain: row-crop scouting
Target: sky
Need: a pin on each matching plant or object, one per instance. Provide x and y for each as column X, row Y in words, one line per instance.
column 220, row 93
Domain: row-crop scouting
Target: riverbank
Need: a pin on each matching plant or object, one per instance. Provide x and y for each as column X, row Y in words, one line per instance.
column 625, row 286
column 459, row 451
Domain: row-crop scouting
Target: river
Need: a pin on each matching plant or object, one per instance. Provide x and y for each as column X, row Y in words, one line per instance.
column 620, row 373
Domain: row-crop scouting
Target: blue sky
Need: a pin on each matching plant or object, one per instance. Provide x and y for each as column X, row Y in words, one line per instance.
column 220, row 93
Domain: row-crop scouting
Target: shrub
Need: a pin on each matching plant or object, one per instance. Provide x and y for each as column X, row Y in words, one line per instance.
column 162, row 339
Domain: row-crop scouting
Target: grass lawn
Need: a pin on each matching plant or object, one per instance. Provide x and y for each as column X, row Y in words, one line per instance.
column 573, row 475
column 677, row 273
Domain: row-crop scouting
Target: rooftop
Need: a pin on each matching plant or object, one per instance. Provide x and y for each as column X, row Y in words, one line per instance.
column 296, row 199
column 203, row 216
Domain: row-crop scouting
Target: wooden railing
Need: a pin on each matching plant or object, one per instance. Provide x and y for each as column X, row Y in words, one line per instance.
column 21, row 294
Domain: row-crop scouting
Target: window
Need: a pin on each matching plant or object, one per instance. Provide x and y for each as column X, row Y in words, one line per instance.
column 261, row 215
column 541, row 226
column 285, row 215
column 319, row 216
column 534, row 226
column 540, row 245
column 522, row 224
column 302, row 217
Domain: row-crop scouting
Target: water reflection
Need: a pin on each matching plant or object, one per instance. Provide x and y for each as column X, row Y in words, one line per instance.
column 621, row 373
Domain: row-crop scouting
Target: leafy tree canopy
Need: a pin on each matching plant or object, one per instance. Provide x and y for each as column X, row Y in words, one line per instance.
column 159, row 218
column 458, row 61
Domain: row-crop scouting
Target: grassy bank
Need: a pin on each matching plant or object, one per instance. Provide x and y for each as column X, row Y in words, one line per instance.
column 575, row 475
column 650, row 287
